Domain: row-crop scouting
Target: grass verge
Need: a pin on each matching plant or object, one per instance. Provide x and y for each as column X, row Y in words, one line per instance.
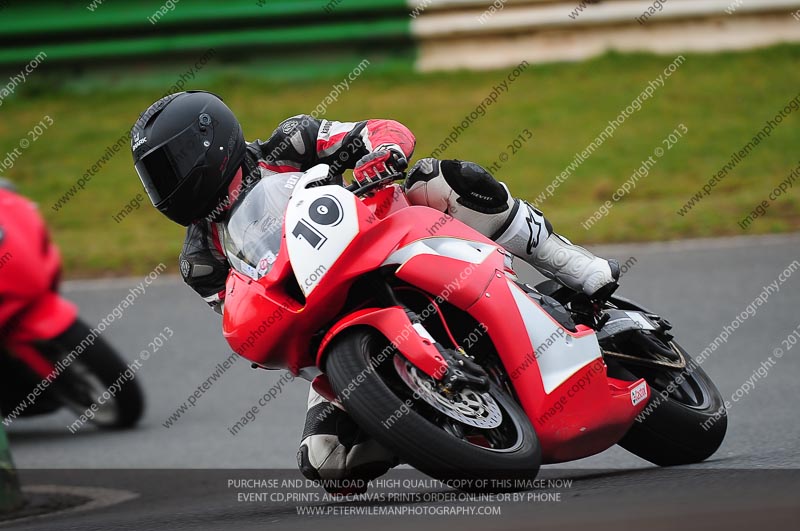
column 722, row 99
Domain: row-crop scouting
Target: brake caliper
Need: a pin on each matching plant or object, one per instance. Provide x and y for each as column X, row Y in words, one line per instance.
column 462, row 372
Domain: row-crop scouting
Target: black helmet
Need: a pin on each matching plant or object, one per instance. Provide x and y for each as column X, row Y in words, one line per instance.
column 187, row 147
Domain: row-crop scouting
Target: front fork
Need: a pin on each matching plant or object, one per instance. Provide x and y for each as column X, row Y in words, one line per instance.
column 402, row 327
column 461, row 370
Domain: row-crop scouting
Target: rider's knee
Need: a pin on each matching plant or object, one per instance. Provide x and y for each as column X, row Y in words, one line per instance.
column 432, row 182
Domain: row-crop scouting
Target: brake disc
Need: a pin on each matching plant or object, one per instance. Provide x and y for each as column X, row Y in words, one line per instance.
column 467, row 406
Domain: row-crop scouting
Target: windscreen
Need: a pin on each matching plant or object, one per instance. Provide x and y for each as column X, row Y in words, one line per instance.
column 252, row 236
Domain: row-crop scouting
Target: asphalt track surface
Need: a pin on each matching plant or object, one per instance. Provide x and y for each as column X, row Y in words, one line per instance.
column 178, row 477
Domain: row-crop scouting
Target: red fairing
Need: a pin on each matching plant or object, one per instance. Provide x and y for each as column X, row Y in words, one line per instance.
column 584, row 415
column 30, row 262
column 575, row 408
column 266, row 324
column 30, row 266
column 391, row 132
column 392, row 322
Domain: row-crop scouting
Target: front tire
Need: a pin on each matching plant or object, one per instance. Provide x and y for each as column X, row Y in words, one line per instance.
column 92, row 373
column 413, row 436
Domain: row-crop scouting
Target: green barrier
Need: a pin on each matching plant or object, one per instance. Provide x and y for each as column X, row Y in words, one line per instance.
column 25, row 17
column 126, row 30
column 10, row 497
column 347, row 32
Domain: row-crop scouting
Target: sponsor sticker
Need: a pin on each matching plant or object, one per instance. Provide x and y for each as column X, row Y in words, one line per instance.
column 249, row 270
column 639, row 393
column 266, row 261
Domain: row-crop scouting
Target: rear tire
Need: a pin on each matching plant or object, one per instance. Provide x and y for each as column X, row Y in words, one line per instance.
column 671, row 432
column 416, row 439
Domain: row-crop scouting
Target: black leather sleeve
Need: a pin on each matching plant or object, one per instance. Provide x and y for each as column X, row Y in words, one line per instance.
column 202, row 266
column 293, row 143
column 302, row 141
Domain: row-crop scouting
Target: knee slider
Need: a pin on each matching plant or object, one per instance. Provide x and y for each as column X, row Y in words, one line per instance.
column 475, row 186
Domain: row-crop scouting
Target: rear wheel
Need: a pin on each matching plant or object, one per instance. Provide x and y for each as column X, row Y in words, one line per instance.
column 470, row 436
column 685, row 420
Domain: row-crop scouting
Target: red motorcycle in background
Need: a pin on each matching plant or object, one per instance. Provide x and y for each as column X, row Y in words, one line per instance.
column 49, row 358
column 424, row 333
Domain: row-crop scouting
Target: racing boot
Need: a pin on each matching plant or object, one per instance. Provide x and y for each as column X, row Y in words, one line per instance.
column 336, row 452
column 468, row 192
column 530, row 236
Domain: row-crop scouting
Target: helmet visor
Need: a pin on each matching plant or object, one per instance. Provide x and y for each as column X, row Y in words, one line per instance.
column 164, row 168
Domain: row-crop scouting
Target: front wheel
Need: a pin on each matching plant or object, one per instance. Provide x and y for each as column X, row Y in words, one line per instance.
column 90, row 374
column 483, row 439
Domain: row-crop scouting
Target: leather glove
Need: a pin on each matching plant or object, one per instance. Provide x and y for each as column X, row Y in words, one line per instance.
column 386, row 160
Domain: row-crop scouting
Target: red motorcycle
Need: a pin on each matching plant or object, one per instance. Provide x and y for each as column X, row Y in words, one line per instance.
column 49, row 358
column 421, row 329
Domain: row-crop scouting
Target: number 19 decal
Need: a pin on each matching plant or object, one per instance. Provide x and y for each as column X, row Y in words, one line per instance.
column 325, row 211
column 304, row 231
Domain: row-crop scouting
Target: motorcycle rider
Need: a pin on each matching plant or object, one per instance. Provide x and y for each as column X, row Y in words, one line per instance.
column 191, row 156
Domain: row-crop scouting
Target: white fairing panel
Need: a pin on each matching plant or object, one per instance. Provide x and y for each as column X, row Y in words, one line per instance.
column 565, row 354
column 320, row 223
column 465, row 250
